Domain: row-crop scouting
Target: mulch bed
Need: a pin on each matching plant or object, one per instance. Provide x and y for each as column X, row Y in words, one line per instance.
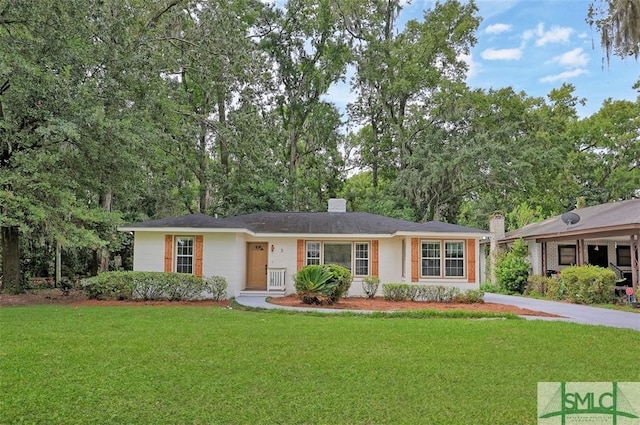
column 380, row 304
column 78, row 298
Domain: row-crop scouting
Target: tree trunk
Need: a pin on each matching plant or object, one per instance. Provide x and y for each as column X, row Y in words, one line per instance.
column 222, row 136
column 12, row 280
column 106, row 202
column 201, row 175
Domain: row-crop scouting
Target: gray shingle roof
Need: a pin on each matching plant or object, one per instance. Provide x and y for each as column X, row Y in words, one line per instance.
column 196, row 221
column 338, row 223
column 615, row 215
column 306, row 223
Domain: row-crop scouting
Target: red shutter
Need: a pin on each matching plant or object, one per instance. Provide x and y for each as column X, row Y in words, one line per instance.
column 375, row 264
column 168, row 253
column 301, row 256
column 198, row 253
column 415, row 259
column 471, row 260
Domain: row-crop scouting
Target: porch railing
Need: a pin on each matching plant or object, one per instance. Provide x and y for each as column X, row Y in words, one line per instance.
column 275, row 281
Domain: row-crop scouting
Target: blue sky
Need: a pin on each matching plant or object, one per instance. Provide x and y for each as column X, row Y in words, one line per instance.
column 535, row 46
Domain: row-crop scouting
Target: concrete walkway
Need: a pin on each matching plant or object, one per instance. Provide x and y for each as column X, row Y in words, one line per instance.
column 261, row 302
column 570, row 312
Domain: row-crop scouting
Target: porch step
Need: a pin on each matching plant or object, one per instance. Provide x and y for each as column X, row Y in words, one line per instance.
column 259, row 293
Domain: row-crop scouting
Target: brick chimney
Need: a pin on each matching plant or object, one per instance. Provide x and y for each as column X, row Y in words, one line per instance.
column 337, row 205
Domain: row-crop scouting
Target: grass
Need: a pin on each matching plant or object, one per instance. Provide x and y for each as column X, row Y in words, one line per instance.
column 198, row 365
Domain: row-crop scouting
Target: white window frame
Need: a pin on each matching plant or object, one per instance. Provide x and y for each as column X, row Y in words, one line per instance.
column 179, row 255
column 448, row 258
column 443, row 258
column 430, row 258
column 352, row 244
column 309, row 260
column 366, row 258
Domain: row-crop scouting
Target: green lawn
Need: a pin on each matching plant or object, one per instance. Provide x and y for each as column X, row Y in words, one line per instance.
column 199, row 365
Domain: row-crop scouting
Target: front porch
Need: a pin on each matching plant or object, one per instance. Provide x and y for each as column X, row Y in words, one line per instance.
column 274, row 284
column 616, row 253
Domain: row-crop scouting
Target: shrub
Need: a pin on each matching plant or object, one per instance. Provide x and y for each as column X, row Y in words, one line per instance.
column 341, row 277
column 126, row 285
column 489, row 287
column 537, row 284
column 181, row 286
column 589, row 284
column 428, row 293
column 148, row 286
column 370, row 286
column 396, row 291
column 216, row 286
column 109, row 286
column 512, row 269
column 555, row 289
column 447, row 294
column 313, row 285
column 470, row 296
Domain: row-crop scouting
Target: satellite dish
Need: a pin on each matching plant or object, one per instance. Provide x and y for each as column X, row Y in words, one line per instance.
column 570, row 218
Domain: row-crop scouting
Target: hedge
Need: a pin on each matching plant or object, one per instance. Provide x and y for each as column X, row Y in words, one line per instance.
column 429, row 293
column 127, row 285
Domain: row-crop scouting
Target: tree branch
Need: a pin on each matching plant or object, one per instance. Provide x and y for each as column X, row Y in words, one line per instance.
column 154, row 20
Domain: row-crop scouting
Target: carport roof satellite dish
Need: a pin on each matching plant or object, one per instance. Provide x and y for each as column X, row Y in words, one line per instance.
column 570, row 218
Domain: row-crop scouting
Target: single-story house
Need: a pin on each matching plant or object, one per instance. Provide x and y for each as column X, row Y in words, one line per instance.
column 260, row 252
column 604, row 235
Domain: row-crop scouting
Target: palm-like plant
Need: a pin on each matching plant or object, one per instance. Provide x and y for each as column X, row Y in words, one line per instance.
column 313, row 285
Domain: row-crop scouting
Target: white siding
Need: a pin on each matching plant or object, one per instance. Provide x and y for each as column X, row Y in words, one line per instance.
column 224, row 255
column 535, row 252
column 284, row 255
column 148, row 252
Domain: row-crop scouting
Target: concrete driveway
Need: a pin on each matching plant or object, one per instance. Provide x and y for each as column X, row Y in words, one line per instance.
column 571, row 312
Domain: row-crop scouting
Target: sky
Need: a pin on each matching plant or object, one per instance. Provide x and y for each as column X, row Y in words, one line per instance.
column 536, row 46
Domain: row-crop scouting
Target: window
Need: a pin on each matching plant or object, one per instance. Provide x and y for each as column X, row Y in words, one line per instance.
column 362, row 259
column 434, row 264
column 313, row 253
column 184, row 255
column 430, row 258
column 338, row 253
column 454, row 259
column 353, row 256
column 566, row 255
column 623, row 256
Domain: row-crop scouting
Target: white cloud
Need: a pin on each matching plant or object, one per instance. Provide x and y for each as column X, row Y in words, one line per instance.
column 563, row 76
column 528, row 34
column 575, row 58
column 554, row 35
column 498, row 28
column 492, row 54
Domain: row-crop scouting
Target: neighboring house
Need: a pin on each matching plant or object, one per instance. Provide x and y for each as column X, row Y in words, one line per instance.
column 606, row 235
column 261, row 251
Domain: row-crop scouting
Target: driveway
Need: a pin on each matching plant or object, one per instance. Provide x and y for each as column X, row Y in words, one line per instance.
column 572, row 312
